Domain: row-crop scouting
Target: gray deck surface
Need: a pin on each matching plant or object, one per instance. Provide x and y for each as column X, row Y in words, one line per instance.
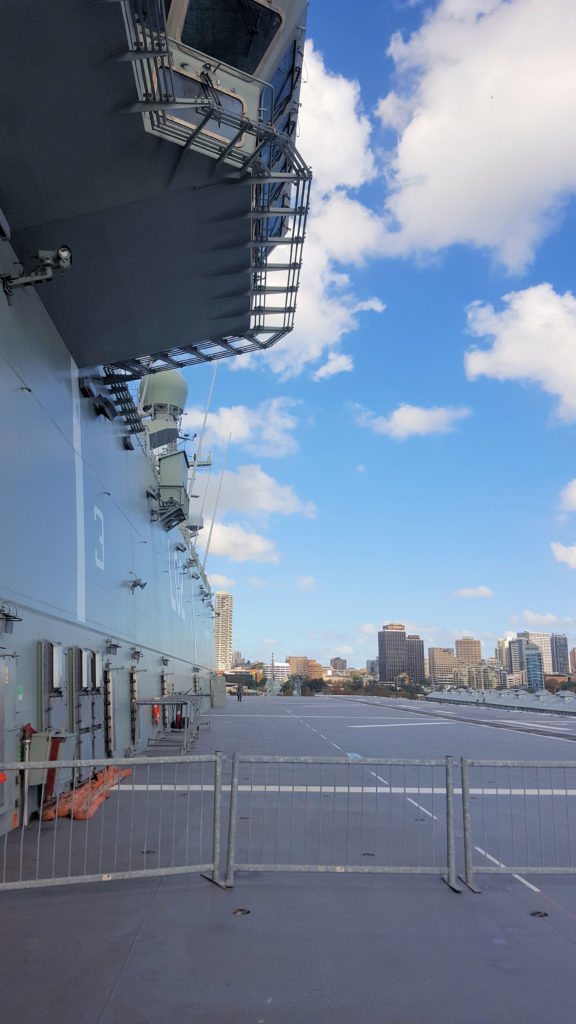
column 371, row 949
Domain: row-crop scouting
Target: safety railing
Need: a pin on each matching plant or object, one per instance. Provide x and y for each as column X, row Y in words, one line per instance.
column 519, row 818
column 333, row 814
column 133, row 818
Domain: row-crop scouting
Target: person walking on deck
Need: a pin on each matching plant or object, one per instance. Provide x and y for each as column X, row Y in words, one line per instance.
column 239, row 691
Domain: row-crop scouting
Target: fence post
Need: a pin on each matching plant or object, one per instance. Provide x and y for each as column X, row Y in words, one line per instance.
column 232, row 823
column 450, row 847
column 468, row 878
column 217, row 817
column 24, row 779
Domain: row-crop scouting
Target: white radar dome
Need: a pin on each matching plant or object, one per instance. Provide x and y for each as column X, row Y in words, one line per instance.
column 167, row 388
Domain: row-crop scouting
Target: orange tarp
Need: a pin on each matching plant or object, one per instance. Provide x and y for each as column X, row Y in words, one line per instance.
column 83, row 802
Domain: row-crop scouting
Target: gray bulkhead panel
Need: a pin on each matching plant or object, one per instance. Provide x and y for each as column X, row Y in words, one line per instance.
column 76, row 529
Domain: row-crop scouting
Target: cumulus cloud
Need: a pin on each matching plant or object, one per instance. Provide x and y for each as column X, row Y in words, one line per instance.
column 473, row 592
column 486, row 92
column 239, row 545
column 336, row 363
column 266, row 430
column 368, row 629
column 547, row 619
column 306, row 583
column 564, row 553
column 216, row 580
column 410, row 420
column 344, row 649
column 255, row 493
column 568, row 497
column 534, row 340
column 257, row 583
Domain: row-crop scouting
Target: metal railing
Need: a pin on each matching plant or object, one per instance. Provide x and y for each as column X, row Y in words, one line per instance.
column 134, row 818
column 519, row 817
column 271, row 165
column 334, row 814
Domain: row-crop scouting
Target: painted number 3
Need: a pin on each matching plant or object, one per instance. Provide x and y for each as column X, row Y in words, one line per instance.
column 99, row 550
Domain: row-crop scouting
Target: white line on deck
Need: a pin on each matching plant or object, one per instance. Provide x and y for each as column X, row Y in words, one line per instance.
column 397, row 725
column 502, row 865
column 420, row 808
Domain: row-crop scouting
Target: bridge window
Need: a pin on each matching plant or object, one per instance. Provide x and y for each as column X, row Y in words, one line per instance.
column 236, row 32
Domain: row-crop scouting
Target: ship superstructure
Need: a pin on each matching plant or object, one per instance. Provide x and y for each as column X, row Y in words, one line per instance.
column 148, row 152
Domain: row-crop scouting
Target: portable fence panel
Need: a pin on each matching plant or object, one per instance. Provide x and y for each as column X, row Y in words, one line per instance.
column 519, row 817
column 334, row 814
column 133, row 818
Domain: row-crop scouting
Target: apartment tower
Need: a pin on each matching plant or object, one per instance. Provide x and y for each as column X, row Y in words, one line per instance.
column 468, row 651
column 223, row 603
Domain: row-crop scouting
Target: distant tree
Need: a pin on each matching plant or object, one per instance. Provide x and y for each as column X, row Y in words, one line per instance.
column 287, row 688
column 311, row 686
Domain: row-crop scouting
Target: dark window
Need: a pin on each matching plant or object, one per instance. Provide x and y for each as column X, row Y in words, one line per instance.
column 237, row 32
column 282, row 80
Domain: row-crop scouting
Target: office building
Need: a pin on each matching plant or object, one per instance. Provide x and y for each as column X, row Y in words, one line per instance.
column 276, row 671
column 391, row 651
column 560, row 661
column 468, row 651
column 338, row 664
column 502, row 653
column 298, row 665
column 486, row 675
column 314, row 669
column 441, row 663
column 223, row 604
column 543, row 641
column 415, row 658
column 372, row 666
column 534, row 667
column 517, row 651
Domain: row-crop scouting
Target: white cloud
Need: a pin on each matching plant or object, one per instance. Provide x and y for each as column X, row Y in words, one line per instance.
column 547, row 619
column 239, row 545
column 562, row 553
column 216, row 580
column 338, row 157
column 306, row 583
column 534, row 340
column 484, row 108
column 337, row 363
column 473, row 592
column 257, row 583
column 252, row 491
column 409, row 420
column 368, row 629
column 343, row 649
column 265, row 430
column 360, row 469
column 568, row 497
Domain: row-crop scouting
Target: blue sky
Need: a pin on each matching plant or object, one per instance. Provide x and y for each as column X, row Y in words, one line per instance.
column 414, row 438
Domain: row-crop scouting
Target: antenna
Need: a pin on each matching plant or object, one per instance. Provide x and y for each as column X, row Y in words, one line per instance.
column 216, row 505
column 202, row 432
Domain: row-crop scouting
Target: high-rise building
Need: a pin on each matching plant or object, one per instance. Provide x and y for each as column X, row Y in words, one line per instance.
column 391, row 651
column 572, row 658
column 486, row 675
column 517, row 649
column 468, row 651
column 314, row 669
column 372, row 666
column 559, row 645
column 543, row 641
column 415, row 658
column 298, row 665
column 223, row 604
column 534, row 667
column 502, row 653
column 338, row 664
column 441, row 663
column 276, row 671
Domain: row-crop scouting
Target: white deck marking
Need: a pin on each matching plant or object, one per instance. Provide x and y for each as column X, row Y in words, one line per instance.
column 500, row 864
column 397, row 725
column 420, row 808
column 380, row 779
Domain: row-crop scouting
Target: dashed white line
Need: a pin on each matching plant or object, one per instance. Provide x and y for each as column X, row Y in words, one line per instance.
column 501, row 864
column 420, row 808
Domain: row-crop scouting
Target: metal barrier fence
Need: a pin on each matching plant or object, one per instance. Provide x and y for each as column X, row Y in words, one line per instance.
column 134, row 818
column 519, row 817
column 333, row 814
